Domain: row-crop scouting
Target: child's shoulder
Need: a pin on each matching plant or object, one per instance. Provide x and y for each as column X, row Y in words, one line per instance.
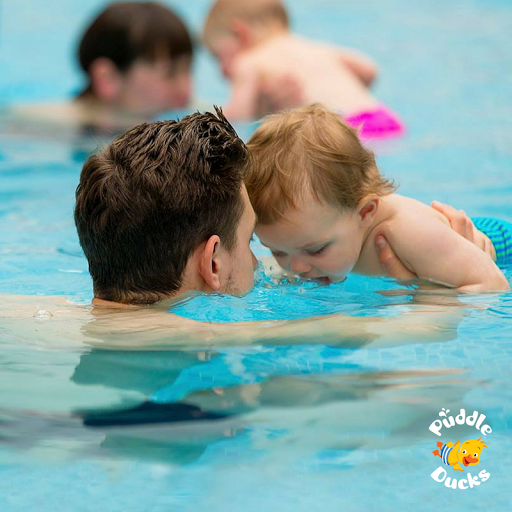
column 291, row 44
column 405, row 218
column 405, row 209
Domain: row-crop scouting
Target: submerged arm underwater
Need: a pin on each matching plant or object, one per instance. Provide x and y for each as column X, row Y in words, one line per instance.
column 55, row 323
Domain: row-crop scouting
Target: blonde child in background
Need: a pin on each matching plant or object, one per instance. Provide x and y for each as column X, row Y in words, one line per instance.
column 321, row 202
column 252, row 42
column 136, row 58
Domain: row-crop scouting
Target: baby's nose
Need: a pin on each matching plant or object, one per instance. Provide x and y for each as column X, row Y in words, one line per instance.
column 299, row 266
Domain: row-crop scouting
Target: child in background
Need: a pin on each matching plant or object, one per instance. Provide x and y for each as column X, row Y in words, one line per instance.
column 137, row 57
column 321, row 202
column 252, row 41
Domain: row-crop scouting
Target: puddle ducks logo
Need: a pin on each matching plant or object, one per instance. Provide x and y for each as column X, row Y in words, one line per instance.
column 460, row 456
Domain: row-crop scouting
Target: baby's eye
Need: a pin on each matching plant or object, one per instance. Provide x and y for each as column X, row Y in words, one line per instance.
column 318, row 251
column 278, row 254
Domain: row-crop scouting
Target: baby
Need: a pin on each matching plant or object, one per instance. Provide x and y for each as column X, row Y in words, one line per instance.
column 253, row 44
column 321, row 202
column 137, row 61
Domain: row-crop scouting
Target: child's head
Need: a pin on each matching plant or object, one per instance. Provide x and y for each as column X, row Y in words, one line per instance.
column 232, row 26
column 315, row 189
column 137, row 57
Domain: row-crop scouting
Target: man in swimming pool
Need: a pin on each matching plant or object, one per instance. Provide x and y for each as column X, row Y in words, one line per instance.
column 162, row 212
column 137, row 60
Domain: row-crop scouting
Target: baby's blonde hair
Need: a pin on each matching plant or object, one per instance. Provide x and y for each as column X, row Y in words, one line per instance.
column 255, row 12
column 309, row 151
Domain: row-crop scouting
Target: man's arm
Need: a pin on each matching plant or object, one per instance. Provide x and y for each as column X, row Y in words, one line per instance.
column 148, row 329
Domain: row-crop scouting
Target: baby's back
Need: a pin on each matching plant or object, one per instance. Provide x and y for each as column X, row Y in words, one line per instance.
column 318, row 68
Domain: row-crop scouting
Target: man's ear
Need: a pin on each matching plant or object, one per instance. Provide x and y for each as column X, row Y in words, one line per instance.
column 105, row 80
column 367, row 209
column 210, row 264
column 243, row 33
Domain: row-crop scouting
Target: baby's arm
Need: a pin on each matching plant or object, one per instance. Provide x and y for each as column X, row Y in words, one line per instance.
column 245, row 88
column 432, row 250
column 360, row 64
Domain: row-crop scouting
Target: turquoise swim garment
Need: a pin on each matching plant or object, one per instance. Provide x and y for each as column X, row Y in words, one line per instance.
column 500, row 233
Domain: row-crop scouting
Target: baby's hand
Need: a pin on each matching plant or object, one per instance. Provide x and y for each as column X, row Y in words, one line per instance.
column 463, row 225
column 279, row 93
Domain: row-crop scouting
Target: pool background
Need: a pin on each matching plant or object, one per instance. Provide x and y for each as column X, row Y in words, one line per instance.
column 447, row 69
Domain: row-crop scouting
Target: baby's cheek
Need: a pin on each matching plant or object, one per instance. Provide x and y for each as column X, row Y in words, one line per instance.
column 343, row 262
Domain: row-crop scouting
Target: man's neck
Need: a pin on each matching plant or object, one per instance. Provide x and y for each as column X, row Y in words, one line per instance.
column 164, row 303
column 111, row 304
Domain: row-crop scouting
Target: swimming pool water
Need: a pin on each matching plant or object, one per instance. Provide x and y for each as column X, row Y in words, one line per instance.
column 299, row 426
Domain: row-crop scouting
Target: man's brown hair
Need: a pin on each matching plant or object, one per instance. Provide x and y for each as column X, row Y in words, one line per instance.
column 128, row 31
column 151, row 197
column 309, row 150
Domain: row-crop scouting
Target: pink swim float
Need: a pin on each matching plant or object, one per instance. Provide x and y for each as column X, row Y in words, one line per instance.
column 378, row 123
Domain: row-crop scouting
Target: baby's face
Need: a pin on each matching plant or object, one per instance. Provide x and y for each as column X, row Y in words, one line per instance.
column 226, row 49
column 317, row 242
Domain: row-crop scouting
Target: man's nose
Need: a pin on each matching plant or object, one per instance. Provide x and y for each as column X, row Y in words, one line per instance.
column 186, row 85
column 185, row 88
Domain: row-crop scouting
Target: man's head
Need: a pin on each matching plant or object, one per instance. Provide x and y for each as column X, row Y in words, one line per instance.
column 137, row 57
column 233, row 26
column 315, row 190
column 163, row 209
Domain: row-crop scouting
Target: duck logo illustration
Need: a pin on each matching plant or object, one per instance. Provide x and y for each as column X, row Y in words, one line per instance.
column 465, row 454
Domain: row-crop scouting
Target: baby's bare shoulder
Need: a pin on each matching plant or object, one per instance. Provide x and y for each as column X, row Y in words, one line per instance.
column 409, row 211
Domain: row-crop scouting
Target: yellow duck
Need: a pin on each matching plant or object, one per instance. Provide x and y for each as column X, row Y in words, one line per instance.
column 467, row 454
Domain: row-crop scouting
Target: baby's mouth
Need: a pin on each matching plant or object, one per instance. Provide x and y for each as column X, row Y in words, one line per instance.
column 322, row 280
